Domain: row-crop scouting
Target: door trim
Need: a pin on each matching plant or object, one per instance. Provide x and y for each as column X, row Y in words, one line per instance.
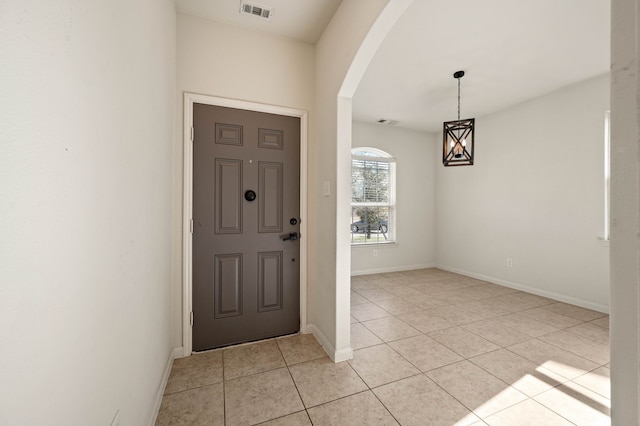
column 187, row 211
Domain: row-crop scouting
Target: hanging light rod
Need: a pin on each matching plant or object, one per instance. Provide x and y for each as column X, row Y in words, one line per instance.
column 458, row 137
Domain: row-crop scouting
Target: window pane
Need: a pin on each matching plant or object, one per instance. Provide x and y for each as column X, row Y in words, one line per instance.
column 369, row 224
column 370, row 181
column 372, row 198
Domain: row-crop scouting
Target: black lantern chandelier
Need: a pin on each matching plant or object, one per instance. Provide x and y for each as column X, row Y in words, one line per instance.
column 457, row 137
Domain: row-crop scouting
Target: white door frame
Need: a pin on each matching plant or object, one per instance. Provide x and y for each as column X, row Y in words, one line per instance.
column 187, row 293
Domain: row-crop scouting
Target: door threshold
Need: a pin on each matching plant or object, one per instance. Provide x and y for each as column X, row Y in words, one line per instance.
column 237, row 345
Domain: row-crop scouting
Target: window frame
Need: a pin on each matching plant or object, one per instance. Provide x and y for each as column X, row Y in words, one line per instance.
column 370, row 154
column 607, row 176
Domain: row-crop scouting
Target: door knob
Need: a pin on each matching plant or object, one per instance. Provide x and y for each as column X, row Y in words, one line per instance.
column 293, row 236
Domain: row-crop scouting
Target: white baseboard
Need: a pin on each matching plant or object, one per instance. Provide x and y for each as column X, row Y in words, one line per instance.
column 175, row 353
column 178, row 352
column 322, row 339
column 336, row 356
column 343, row 355
column 533, row 290
column 391, row 269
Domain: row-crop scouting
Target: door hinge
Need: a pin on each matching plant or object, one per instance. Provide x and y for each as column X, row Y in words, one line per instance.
column 192, row 133
column 191, row 226
column 191, row 318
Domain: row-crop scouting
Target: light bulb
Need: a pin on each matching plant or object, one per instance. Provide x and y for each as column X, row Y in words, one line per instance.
column 464, row 142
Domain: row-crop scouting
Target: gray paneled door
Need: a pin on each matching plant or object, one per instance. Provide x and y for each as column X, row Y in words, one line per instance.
column 246, row 218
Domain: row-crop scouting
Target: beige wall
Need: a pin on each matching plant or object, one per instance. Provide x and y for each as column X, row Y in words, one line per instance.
column 230, row 62
column 342, row 55
column 625, row 213
column 534, row 195
column 87, row 106
column 89, row 151
column 335, row 52
column 225, row 61
column 416, row 162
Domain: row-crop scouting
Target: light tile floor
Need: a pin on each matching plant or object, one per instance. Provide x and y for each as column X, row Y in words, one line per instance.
column 431, row 348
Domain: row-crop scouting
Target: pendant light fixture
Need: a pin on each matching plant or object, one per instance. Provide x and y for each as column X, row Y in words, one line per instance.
column 457, row 137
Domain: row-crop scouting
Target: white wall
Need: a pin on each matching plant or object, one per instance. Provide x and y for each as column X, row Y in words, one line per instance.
column 87, row 107
column 221, row 60
column 625, row 216
column 416, row 161
column 226, row 61
column 534, row 195
column 342, row 55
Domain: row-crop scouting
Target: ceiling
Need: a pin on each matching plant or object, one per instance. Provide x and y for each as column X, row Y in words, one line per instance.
column 511, row 51
column 302, row 20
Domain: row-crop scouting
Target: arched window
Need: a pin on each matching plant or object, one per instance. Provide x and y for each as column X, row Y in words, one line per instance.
column 372, row 196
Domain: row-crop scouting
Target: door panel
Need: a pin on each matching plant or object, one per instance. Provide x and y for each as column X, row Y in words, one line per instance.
column 228, row 285
column 270, row 207
column 270, row 139
column 270, row 281
column 245, row 275
column 228, row 134
column 228, row 213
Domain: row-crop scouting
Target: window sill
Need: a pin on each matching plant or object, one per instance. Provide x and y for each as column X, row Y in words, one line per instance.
column 382, row 243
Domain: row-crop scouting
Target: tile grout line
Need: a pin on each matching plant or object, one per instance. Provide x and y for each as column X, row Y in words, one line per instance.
column 294, row 384
column 224, row 351
column 572, row 352
column 420, row 373
column 407, row 284
column 468, row 359
column 370, row 389
column 224, row 393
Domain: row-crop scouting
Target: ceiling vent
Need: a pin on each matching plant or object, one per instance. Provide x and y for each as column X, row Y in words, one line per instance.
column 387, row 122
column 255, row 10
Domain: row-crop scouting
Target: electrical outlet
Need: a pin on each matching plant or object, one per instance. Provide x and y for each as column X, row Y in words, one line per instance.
column 375, row 253
column 509, row 262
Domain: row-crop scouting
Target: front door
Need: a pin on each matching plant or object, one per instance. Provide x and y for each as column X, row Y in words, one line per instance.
column 246, row 215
